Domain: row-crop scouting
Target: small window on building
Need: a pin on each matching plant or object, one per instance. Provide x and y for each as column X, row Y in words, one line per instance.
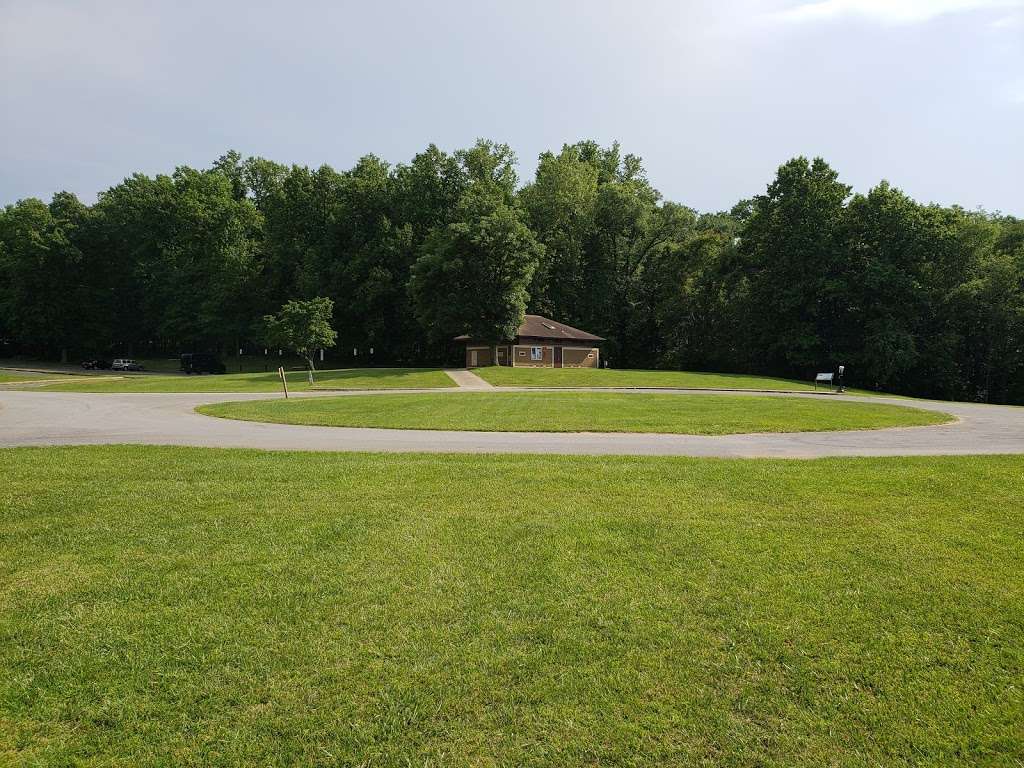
column 536, row 353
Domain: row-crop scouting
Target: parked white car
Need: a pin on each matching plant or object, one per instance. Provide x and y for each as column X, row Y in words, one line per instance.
column 125, row 364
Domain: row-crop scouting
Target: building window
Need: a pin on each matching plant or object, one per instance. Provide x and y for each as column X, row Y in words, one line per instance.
column 536, row 353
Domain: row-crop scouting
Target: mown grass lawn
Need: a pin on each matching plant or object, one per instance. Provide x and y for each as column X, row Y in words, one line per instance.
column 179, row 606
column 504, row 376
column 21, row 377
column 581, row 412
column 350, row 378
column 248, row 363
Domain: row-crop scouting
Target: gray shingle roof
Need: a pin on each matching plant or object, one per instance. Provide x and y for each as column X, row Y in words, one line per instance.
column 539, row 327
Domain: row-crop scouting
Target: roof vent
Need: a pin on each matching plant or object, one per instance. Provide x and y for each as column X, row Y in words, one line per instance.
column 549, row 326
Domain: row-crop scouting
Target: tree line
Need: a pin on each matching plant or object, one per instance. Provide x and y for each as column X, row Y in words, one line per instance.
column 912, row 298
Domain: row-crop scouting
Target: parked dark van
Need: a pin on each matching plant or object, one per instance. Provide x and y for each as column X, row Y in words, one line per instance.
column 199, row 362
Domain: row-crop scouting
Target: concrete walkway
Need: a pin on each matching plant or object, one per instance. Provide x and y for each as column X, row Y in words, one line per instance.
column 466, row 379
column 66, row 418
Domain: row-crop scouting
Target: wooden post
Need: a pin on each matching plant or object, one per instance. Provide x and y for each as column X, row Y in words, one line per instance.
column 284, row 381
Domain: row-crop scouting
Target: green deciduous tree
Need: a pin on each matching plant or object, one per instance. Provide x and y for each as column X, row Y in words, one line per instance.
column 303, row 326
column 798, row 296
column 473, row 274
column 47, row 284
column 561, row 204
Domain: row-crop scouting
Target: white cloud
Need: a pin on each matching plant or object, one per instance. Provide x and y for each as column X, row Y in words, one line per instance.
column 889, row 11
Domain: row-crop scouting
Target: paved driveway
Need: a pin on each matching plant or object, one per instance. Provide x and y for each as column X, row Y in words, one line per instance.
column 65, row 418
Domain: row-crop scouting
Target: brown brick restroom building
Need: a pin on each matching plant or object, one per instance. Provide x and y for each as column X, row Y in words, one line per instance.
column 540, row 343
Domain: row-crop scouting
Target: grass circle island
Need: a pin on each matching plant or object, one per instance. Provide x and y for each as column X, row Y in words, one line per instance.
column 696, row 414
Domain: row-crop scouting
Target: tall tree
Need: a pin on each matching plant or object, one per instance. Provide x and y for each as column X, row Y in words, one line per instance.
column 561, row 205
column 45, row 282
column 473, row 274
column 989, row 307
column 692, row 290
column 798, row 297
column 887, row 255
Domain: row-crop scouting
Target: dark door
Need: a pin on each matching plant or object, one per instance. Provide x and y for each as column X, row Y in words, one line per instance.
column 558, row 357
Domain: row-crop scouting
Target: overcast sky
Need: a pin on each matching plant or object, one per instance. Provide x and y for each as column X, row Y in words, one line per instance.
column 713, row 95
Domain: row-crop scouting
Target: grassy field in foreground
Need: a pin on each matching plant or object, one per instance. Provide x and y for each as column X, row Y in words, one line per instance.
column 581, row 412
column 504, row 376
column 351, row 378
column 179, row 606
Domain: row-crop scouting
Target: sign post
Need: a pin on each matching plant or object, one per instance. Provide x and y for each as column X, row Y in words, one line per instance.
column 284, row 381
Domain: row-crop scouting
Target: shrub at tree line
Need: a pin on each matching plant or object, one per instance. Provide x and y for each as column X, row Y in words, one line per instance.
column 913, row 298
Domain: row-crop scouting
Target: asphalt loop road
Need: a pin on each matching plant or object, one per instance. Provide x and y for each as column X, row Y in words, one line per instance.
column 66, row 418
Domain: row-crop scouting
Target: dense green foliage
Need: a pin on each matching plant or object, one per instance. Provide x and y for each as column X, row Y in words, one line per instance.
column 914, row 298
column 473, row 274
column 176, row 606
column 581, row 412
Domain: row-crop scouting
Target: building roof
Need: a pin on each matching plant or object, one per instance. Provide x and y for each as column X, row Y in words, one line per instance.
column 539, row 327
